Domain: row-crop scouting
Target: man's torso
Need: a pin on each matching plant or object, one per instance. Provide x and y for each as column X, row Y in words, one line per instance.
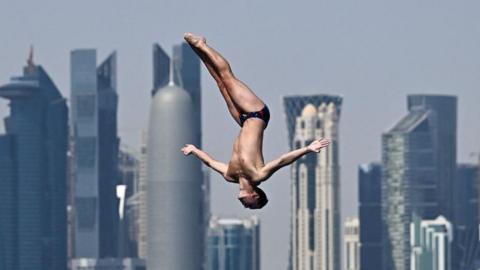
column 247, row 157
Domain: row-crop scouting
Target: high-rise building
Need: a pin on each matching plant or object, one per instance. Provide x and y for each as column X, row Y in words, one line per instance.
column 33, row 173
column 161, row 68
column 174, row 193
column 419, row 161
column 186, row 66
column 466, row 246
column 315, row 225
column 94, row 103
column 141, row 199
column 431, row 244
column 128, row 166
column 370, row 212
column 233, row 244
column 351, row 238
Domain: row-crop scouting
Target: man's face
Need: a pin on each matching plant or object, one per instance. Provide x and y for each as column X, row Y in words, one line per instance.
column 249, row 200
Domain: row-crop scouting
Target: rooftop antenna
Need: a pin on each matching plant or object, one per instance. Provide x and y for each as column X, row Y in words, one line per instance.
column 30, row 63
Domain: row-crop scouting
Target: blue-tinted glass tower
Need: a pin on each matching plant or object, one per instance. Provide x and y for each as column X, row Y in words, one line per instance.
column 418, row 161
column 33, row 174
column 466, row 246
column 233, row 244
column 95, row 149
column 370, row 213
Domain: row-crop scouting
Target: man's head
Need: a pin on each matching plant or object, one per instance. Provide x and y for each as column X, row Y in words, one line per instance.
column 254, row 199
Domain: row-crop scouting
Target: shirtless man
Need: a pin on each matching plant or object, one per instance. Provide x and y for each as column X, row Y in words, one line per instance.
column 246, row 166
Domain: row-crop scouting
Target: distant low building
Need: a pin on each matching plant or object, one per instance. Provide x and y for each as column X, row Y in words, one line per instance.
column 233, row 244
column 108, row 264
column 431, row 243
column 351, row 238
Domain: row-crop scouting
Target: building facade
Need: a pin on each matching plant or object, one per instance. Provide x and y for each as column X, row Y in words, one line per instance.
column 108, row 264
column 466, row 246
column 128, row 168
column 94, row 102
column 315, row 225
column 176, row 224
column 351, row 238
column 33, row 173
column 431, row 244
column 141, row 199
column 370, row 213
column 233, row 244
column 418, row 160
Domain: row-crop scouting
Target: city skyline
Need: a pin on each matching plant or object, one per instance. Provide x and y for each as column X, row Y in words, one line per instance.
column 368, row 52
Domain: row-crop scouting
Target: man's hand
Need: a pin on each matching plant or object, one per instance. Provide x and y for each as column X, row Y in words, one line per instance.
column 316, row 145
column 188, row 149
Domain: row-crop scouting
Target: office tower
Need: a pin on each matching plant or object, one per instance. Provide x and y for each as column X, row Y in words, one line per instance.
column 431, row 242
column 419, row 160
column 33, row 173
column 466, row 246
column 161, row 68
column 370, row 212
column 108, row 264
column 174, row 193
column 142, row 221
column 315, row 233
column 127, row 189
column 351, row 237
column 186, row 66
column 94, row 130
column 233, row 244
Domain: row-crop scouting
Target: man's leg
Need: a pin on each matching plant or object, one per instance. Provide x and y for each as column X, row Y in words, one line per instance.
column 223, row 90
column 243, row 98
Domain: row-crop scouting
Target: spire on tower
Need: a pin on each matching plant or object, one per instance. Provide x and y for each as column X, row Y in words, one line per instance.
column 30, row 63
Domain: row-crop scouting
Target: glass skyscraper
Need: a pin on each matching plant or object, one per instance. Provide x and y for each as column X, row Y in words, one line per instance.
column 370, row 212
column 94, row 102
column 419, row 161
column 33, row 174
column 315, row 224
column 233, row 244
column 466, row 246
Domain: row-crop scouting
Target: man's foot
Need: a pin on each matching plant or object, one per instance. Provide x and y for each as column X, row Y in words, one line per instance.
column 195, row 41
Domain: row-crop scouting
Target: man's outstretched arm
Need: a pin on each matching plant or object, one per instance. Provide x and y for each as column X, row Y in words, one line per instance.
column 218, row 166
column 288, row 158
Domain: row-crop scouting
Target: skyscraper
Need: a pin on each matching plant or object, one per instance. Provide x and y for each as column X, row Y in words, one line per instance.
column 431, row 244
column 128, row 166
column 466, row 246
column 95, row 148
column 174, row 192
column 33, row 173
column 142, row 198
column 370, row 212
column 233, row 244
column 351, row 237
column 419, row 160
column 315, row 234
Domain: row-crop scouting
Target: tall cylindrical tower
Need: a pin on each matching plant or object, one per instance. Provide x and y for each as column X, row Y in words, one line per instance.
column 174, row 197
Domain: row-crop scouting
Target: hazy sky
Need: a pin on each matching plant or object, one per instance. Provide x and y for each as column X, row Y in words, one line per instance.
column 373, row 53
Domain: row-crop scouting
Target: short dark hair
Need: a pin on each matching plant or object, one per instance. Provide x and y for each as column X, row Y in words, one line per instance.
column 262, row 200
